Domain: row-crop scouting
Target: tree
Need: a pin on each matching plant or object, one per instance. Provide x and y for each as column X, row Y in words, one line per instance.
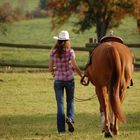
column 103, row 14
column 5, row 13
column 43, row 4
column 136, row 13
column 9, row 14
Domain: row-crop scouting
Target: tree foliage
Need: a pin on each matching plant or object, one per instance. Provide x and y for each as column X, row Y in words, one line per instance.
column 136, row 13
column 103, row 14
column 8, row 14
column 43, row 4
column 5, row 12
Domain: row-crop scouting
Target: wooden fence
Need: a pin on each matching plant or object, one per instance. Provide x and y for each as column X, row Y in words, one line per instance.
column 88, row 47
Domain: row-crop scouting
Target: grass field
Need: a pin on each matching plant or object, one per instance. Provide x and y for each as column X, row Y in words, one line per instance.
column 40, row 57
column 27, row 102
column 34, row 56
column 38, row 31
column 28, row 110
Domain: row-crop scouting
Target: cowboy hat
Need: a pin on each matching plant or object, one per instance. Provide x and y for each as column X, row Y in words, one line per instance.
column 63, row 35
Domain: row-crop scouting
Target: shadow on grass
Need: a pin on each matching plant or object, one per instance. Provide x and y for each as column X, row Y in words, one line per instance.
column 27, row 125
column 45, row 125
column 133, row 122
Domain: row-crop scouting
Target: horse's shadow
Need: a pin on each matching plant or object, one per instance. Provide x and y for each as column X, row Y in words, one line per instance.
column 132, row 122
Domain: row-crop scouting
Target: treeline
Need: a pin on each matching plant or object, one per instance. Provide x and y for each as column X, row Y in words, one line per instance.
column 8, row 13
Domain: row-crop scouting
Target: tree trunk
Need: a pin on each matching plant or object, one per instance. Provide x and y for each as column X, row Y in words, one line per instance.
column 101, row 28
column 138, row 25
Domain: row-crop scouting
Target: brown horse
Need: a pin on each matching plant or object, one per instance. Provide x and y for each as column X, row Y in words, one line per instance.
column 110, row 72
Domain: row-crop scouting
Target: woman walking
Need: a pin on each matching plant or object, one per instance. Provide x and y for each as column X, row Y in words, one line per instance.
column 63, row 64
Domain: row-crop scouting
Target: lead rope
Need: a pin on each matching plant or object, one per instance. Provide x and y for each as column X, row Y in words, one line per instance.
column 84, row 81
column 83, row 100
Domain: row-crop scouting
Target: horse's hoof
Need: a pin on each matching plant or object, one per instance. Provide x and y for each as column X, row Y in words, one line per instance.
column 108, row 135
column 116, row 133
column 103, row 130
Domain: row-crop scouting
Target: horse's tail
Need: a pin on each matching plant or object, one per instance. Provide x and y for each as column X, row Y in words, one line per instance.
column 115, row 85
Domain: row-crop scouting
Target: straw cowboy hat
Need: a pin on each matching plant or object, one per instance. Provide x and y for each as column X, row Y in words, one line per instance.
column 63, row 35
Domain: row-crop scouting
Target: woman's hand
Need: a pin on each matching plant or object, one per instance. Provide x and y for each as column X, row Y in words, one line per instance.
column 84, row 80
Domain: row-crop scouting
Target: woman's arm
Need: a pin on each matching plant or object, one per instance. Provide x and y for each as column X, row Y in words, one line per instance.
column 51, row 66
column 76, row 68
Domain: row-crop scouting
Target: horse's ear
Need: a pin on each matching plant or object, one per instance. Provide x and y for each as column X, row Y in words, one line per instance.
column 84, row 81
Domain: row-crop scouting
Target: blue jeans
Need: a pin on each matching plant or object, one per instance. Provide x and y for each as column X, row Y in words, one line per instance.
column 59, row 87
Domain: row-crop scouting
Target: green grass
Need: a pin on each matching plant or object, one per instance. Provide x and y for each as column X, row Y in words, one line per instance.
column 24, row 56
column 38, row 57
column 128, row 31
column 28, row 110
column 34, row 56
column 38, row 31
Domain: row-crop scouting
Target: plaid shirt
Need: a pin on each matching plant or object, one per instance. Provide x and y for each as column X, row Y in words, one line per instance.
column 63, row 66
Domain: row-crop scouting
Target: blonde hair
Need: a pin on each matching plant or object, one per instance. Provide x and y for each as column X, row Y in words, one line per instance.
column 61, row 46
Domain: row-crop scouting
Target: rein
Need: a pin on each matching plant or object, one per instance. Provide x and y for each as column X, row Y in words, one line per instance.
column 84, row 81
column 83, row 100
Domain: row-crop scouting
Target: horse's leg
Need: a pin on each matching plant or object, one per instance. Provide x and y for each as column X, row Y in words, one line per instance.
column 102, row 119
column 101, row 108
column 122, row 96
column 112, row 116
column 115, row 128
column 103, row 100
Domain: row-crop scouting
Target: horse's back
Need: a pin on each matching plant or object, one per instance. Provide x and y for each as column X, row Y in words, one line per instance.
column 105, row 61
